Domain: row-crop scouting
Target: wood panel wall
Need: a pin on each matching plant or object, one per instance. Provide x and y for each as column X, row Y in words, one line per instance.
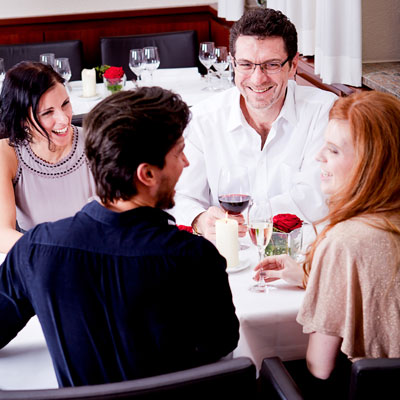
column 89, row 28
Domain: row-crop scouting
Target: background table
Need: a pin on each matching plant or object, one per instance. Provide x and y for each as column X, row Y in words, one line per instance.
column 187, row 82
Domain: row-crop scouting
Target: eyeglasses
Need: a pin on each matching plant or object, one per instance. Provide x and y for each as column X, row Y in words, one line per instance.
column 269, row 67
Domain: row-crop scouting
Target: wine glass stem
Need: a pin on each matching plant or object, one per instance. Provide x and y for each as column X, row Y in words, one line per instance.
column 261, row 252
column 208, row 77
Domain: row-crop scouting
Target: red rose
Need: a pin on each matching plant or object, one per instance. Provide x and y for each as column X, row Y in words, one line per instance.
column 114, row 73
column 185, row 228
column 287, row 222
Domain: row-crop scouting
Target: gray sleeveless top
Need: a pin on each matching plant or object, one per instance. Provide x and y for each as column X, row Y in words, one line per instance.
column 47, row 192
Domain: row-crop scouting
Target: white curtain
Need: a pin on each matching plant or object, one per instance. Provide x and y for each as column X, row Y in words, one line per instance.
column 331, row 31
column 231, row 10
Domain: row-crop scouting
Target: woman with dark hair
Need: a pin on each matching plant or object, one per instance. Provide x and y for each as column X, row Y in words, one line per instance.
column 351, row 271
column 44, row 175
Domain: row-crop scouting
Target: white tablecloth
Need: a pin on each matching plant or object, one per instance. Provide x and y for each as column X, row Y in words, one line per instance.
column 268, row 324
column 185, row 81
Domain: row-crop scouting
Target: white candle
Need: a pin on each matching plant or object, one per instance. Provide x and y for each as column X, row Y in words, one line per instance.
column 88, row 82
column 227, row 240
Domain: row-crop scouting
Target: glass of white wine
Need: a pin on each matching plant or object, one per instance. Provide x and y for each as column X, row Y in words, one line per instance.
column 260, row 220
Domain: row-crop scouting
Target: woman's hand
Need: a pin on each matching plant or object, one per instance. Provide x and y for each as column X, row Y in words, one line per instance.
column 281, row 267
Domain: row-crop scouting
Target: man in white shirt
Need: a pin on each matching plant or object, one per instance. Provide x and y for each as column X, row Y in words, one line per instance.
column 267, row 123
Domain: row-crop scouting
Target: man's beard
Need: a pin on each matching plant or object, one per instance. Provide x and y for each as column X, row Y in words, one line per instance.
column 165, row 195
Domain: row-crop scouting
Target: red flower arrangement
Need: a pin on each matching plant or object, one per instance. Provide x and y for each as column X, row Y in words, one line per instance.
column 286, row 222
column 114, row 78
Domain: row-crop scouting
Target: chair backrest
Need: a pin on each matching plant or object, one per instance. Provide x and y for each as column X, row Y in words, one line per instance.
column 176, row 49
column 72, row 49
column 230, row 379
column 375, row 379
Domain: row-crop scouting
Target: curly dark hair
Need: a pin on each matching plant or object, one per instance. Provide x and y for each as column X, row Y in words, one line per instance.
column 262, row 23
column 129, row 128
column 23, row 87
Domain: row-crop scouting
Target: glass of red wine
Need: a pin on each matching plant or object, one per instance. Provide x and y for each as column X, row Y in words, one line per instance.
column 234, row 190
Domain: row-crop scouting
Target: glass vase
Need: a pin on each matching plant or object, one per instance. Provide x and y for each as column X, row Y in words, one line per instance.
column 286, row 243
column 113, row 85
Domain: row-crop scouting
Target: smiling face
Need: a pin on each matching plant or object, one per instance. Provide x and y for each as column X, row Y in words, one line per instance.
column 337, row 156
column 54, row 113
column 260, row 90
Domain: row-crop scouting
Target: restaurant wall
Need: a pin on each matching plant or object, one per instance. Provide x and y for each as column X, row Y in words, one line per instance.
column 381, row 30
column 29, row 8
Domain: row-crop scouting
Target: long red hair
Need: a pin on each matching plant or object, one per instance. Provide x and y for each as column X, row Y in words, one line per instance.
column 373, row 186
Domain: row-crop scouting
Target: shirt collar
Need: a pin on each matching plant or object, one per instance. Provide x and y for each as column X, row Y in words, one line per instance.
column 102, row 214
column 235, row 112
column 288, row 111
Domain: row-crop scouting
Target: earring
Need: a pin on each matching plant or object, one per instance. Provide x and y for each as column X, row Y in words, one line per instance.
column 26, row 129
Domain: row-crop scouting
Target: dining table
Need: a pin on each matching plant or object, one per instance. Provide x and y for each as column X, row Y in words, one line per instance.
column 187, row 82
column 268, row 328
column 268, row 324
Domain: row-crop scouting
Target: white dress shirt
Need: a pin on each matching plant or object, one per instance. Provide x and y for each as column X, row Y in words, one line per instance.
column 285, row 169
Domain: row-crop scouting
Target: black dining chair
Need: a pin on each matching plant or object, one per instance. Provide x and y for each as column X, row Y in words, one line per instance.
column 176, row 49
column 77, row 119
column 369, row 379
column 72, row 49
column 231, row 379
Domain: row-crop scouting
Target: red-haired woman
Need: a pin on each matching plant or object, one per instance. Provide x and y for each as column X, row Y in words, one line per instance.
column 351, row 271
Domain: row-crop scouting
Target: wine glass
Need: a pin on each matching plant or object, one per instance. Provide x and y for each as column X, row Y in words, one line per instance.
column 63, row 68
column 137, row 63
column 47, row 58
column 152, row 60
column 2, row 72
column 221, row 61
column 260, row 222
column 207, row 58
column 234, row 189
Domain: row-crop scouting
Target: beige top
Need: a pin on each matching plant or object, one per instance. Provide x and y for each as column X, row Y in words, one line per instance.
column 353, row 292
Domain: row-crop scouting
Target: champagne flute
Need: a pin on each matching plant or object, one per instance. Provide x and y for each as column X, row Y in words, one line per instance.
column 47, row 58
column 207, row 58
column 2, row 72
column 260, row 222
column 63, row 68
column 137, row 63
column 152, row 60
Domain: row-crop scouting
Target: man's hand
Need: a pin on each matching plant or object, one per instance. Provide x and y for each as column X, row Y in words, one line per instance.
column 281, row 267
column 204, row 223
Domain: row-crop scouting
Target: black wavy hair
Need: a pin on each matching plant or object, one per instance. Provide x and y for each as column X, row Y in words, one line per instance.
column 262, row 23
column 23, row 87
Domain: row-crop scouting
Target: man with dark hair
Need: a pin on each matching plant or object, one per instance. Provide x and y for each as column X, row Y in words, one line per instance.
column 121, row 292
column 267, row 123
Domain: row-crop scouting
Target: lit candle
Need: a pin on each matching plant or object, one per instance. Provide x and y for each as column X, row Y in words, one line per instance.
column 227, row 240
column 88, row 82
